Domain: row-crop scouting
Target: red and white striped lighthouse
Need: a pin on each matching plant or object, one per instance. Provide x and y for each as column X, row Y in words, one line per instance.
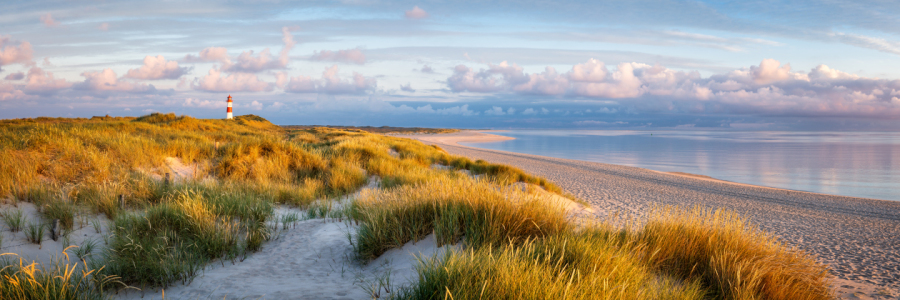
column 229, row 116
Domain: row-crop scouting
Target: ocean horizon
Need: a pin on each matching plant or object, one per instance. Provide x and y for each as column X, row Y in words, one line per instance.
column 856, row 164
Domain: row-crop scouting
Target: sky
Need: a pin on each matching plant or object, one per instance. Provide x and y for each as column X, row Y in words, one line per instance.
column 738, row 65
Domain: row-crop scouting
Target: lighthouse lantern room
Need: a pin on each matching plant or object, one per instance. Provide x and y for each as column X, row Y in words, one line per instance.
column 229, row 116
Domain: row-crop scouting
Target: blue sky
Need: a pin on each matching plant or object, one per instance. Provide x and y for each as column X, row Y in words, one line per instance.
column 804, row 65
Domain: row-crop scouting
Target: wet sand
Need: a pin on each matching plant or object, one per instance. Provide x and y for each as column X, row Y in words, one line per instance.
column 858, row 238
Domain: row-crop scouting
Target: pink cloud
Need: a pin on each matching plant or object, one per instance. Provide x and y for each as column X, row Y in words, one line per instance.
column 768, row 88
column 210, row 54
column 103, row 26
column 247, row 62
column 107, row 80
column 41, row 82
column 15, row 76
column 156, row 67
column 331, row 83
column 348, row 56
column 14, row 54
column 415, row 13
column 10, row 92
column 234, row 82
column 49, row 21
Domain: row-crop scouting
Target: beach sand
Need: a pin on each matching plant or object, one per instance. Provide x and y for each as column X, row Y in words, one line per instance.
column 858, row 238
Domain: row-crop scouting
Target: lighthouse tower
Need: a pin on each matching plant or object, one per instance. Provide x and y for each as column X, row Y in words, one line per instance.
column 229, row 116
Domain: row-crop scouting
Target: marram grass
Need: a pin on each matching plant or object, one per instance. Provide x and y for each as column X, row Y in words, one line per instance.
column 60, row 279
column 516, row 246
column 511, row 244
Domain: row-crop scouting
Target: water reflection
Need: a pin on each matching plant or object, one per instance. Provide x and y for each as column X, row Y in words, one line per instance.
column 861, row 164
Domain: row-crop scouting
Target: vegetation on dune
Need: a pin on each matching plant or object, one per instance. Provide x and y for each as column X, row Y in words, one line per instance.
column 516, row 244
column 60, row 279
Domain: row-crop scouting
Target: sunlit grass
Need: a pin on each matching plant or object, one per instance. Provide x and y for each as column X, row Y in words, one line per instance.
column 58, row 279
column 514, row 243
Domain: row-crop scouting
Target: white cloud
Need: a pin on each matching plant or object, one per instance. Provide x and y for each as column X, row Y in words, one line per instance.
column 407, row 88
column 191, row 102
column 495, row 111
column 462, row 110
column 529, row 111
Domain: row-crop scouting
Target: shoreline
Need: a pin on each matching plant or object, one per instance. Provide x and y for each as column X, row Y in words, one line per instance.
column 482, row 136
column 856, row 237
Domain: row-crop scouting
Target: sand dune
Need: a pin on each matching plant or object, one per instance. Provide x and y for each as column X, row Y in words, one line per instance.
column 858, row 238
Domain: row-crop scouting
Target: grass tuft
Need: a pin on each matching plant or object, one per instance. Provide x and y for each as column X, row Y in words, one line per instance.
column 59, row 279
column 14, row 219
column 34, row 232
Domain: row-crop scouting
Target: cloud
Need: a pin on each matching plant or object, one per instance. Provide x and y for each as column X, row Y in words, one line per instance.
column 156, row 68
column 210, row 54
column 427, row 69
column 15, row 76
column 824, row 72
column 331, row 83
column 191, row 102
column 214, row 81
column 107, row 80
column 103, row 26
column 529, row 111
column 770, row 88
column 49, row 21
column 462, row 110
column 495, row 111
column 407, row 88
column 415, row 13
column 346, row 56
column 875, row 43
column 248, row 62
column 40, row 82
column 14, row 54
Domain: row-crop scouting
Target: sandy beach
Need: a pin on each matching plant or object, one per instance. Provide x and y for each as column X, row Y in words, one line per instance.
column 858, row 238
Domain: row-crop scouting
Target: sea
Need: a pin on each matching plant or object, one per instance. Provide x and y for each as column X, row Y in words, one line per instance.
column 857, row 164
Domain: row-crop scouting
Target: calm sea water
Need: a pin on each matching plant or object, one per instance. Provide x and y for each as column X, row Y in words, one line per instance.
column 859, row 164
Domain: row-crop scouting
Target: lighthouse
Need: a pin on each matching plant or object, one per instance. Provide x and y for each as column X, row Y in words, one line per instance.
column 229, row 116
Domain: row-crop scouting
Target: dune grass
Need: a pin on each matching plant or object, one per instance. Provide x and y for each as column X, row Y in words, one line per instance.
column 516, row 244
column 59, row 279
column 519, row 246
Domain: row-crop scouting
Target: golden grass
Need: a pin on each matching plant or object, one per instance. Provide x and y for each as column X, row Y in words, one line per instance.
column 60, row 279
column 736, row 260
column 517, row 245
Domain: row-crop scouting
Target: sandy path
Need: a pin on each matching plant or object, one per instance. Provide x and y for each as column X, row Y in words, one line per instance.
column 859, row 238
column 311, row 260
